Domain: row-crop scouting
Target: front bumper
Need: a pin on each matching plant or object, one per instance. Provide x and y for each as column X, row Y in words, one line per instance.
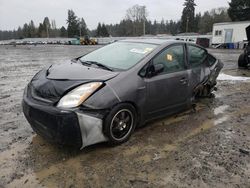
column 65, row 127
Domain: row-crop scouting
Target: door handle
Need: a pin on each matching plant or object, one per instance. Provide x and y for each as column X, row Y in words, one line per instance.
column 183, row 81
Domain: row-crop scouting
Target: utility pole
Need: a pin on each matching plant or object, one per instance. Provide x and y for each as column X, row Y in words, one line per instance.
column 47, row 29
column 80, row 26
column 144, row 20
column 144, row 27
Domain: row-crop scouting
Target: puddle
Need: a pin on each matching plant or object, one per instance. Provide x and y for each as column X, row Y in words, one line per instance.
column 226, row 77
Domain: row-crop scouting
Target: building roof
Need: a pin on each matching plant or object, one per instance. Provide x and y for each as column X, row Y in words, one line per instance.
column 230, row 23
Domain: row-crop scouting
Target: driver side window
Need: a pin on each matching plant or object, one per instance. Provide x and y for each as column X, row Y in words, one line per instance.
column 172, row 59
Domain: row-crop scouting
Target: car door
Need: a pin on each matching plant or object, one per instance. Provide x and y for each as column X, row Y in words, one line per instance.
column 197, row 67
column 168, row 89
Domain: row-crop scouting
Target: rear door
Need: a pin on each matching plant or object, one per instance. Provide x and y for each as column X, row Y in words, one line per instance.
column 168, row 89
column 199, row 71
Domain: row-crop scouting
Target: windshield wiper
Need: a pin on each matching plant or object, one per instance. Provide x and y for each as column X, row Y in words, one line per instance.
column 96, row 63
column 84, row 62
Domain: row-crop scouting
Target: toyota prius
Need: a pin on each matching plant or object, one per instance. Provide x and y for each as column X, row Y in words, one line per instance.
column 104, row 95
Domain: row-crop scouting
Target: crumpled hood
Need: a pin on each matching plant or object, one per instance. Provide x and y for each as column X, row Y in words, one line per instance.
column 76, row 71
column 54, row 82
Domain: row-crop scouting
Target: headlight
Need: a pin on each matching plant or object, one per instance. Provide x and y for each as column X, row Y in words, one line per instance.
column 78, row 95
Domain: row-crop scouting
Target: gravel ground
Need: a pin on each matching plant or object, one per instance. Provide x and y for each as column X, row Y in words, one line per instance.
column 206, row 147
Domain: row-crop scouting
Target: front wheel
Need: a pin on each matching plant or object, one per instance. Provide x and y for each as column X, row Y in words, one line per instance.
column 120, row 123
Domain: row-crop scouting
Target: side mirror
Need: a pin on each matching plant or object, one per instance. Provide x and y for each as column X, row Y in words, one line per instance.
column 159, row 68
column 155, row 69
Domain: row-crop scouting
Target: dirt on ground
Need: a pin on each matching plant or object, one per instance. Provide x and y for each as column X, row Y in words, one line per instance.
column 203, row 147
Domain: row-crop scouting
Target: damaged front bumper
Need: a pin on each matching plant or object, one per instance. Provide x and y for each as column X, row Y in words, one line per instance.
column 65, row 127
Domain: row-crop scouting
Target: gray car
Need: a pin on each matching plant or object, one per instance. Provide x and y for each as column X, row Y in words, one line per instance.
column 106, row 94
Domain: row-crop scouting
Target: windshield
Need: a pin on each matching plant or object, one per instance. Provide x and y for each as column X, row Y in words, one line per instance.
column 119, row 55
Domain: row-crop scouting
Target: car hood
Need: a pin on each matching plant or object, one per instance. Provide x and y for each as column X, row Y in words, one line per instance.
column 52, row 83
column 76, row 71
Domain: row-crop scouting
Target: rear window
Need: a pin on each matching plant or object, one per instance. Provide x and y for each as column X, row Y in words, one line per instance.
column 211, row 60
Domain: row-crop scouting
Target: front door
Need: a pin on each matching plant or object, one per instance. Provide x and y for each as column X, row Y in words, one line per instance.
column 168, row 89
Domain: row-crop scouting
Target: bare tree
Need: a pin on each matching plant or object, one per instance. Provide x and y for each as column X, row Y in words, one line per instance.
column 138, row 15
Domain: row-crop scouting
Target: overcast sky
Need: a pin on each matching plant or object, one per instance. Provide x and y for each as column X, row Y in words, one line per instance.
column 14, row 13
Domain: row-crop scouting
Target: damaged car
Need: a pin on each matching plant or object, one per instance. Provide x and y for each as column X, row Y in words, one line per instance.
column 104, row 95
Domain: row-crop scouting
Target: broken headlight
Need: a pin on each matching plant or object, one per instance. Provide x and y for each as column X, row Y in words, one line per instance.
column 78, row 95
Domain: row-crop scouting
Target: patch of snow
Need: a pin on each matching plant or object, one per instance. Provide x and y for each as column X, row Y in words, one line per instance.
column 220, row 109
column 221, row 120
column 226, row 77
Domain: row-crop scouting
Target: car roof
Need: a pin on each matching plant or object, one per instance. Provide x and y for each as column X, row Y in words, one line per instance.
column 152, row 41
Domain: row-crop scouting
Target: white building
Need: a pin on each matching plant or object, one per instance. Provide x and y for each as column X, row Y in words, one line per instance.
column 229, row 32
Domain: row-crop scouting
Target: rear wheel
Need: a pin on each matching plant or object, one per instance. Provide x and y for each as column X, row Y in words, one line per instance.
column 120, row 123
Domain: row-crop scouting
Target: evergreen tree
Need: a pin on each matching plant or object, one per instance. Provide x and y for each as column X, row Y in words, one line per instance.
column 83, row 27
column 26, row 31
column 155, row 28
column 104, row 31
column 46, row 26
column 63, row 32
column 239, row 10
column 40, row 30
column 187, row 18
column 207, row 20
column 99, row 30
column 197, row 20
column 162, row 27
column 32, row 29
column 73, row 24
column 19, row 33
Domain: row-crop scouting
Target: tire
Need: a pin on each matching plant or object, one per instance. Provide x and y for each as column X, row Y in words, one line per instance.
column 120, row 123
column 242, row 61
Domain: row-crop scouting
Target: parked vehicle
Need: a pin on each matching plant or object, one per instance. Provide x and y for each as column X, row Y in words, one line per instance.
column 86, row 40
column 106, row 94
column 244, row 58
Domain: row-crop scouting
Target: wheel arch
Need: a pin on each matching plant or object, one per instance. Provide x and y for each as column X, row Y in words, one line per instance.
column 112, row 111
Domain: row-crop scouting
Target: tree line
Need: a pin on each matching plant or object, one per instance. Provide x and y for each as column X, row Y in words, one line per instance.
column 135, row 23
column 45, row 29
